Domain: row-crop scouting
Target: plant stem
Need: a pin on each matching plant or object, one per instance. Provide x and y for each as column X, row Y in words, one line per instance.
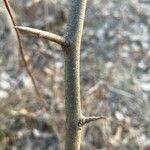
column 12, row 17
column 72, row 73
column 44, row 34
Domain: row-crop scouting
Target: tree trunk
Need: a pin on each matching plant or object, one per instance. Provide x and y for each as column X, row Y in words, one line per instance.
column 72, row 73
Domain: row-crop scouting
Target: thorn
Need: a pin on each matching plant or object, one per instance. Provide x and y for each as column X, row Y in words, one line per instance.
column 86, row 120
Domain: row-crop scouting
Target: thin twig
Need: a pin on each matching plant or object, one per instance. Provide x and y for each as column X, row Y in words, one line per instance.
column 46, row 14
column 8, row 7
column 44, row 34
column 86, row 120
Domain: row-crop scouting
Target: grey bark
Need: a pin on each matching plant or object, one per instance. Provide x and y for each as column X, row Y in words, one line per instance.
column 72, row 73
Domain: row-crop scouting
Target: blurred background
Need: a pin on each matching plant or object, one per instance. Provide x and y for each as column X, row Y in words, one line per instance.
column 115, row 76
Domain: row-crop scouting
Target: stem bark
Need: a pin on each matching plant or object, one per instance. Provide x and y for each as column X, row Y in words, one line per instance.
column 72, row 73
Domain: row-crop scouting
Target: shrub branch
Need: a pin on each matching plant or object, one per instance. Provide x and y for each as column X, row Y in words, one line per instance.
column 12, row 17
column 44, row 34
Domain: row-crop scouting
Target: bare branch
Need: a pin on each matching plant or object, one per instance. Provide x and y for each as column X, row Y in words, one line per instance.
column 8, row 7
column 86, row 120
column 44, row 34
column 72, row 73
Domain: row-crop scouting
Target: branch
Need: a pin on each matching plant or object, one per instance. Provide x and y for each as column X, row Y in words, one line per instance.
column 44, row 34
column 86, row 120
column 8, row 7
